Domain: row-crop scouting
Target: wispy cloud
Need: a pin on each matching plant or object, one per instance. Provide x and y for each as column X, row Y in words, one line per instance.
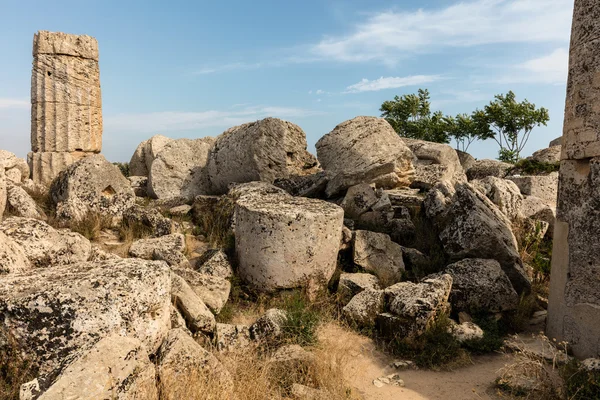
column 172, row 121
column 389, row 36
column 14, row 103
column 390, row 83
column 229, row 67
column 551, row 68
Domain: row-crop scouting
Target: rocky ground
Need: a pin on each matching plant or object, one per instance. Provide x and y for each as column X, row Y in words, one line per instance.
column 245, row 267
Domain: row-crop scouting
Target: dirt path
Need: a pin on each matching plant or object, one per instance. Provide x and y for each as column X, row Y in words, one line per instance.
column 365, row 363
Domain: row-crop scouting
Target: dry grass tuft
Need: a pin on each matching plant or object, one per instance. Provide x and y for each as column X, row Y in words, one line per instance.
column 91, row 225
column 15, row 367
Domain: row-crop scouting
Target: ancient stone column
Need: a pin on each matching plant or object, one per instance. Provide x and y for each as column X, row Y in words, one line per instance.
column 574, row 303
column 66, row 105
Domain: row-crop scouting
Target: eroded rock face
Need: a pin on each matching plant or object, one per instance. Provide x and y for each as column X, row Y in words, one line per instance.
column 269, row 326
column 231, row 337
column 115, row 367
column 179, row 169
column 44, row 245
column 60, row 313
column 259, row 151
column 16, row 168
column 22, row 204
column 45, row 166
column 542, row 186
column 212, row 290
column 434, row 162
column 2, row 191
column 184, row 367
column 91, row 185
column 363, row 308
column 481, row 285
column 197, row 316
column 549, row 155
column 284, row 242
column 352, row 284
column 376, row 253
column 363, row 198
column 483, row 168
column 214, row 263
column 145, row 154
column 168, row 248
column 471, row 226
column 12, row 256
column 505, row 194
column 364, row 150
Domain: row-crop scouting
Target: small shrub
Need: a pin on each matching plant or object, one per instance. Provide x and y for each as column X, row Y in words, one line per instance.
column 302, row 319
column 131, row 230
column 91, row 225
column 580, row 384
column 216, row 224
column 124, row 167
column 532, row 167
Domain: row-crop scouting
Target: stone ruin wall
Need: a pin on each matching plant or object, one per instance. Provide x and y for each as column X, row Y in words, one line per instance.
column 66, row 103
column 574, row 302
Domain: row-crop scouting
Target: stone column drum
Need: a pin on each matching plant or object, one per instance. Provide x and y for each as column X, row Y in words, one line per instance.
column 66, row 105
column 574, row 301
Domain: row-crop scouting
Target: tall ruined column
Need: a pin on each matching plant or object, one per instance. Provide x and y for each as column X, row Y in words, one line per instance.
column 574, row 303
column 66, row 105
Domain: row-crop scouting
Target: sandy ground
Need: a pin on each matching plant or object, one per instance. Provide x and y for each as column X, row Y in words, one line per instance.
column 364, row 363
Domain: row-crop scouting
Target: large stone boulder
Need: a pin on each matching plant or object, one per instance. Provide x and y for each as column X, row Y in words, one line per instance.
column 145, row 154
column 45, row 246
column 434, row 162
column 179, row 169
column 117, row 367
column 466, row 160
column 21, row 203
column 16, row 168
column 376, row 253
column 483, row 168
column 12, row 256
column 167, row 248
column 471, row 226
column 351, row 284
column 259, row 151
column 197, row 316
column 284, row 242
column 544, row 187
column 363, row 308
column 91, row 185
column 549, row 155
column 480, row 285
column 212, row 290
column 185, row 368
column 364, row 150
column 412, row 307
column 58, row 314
column 503, row 193
column 363, row 198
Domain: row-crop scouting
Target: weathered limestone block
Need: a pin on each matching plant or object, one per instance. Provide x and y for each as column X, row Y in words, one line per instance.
column 212, row 290
column 259, row 151
column 92, row 185
column 16, row 168
column 362, row 198
column 471, row 226
column 312, row 185
column 59, row 43
column 12, row 256
column 3, row 192
column 145, row 154
column 550, row 155
column 537, row 210
column 555, row 142
column 284, row 242
column 544, row 187
column 434, row 162
column 376, row 253
column 231, row 337
column 214, row 263
column 184, row 367
column 352, row 284
column 60, row 313
column 117, row 367
column 365, row 150
column 363, row 308
column 480, row 285
column 197, row 316
column 466, row 160
column 179, row 169
column 466, row 331
column 44, row 245
column 269, row 325
column 46, row 166
column 503, row 193
column 168, row 248
column 482, row 168
column 21, row 203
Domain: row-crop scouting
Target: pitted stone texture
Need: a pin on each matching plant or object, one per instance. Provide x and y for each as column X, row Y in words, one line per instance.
column 145, row 154
column 184, row 367
column 352, row 284
column 197, row 316
column 92, row 185
column 550, row 155
column 214, row 263
column 536, row 209
column 482, row 168
column 417, row 304
column 17, row 170
column 259, row 151
column 481, row 285
column 363, row 308
column 59, row 313
column 362, row 198
column 12, row 256
column 471, row 226
column 58, row 43
column 117, row 367
column 312, row 185
column 555, row 142
column 21, row 203
column 168, row 248
column 376, row 253
column 365, row 150
column 466, row 331
column 543, row 186
column 269, row 326
column 231, row 337
column 284, row 242
column 212, row 290
column 505, row 194
column 44, row 245
column 150, row 217
column 46, row 166
column 466, row 160
column 434, row 162
column 179, row 169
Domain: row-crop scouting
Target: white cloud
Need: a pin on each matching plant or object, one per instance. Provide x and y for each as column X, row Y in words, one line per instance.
column 551, row 68
column 319, row 91
column 172, row 121
column 388, row 36
column 390, row 83
column 14, row 103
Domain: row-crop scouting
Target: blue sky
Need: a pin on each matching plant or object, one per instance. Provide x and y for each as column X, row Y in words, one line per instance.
column 194, row 68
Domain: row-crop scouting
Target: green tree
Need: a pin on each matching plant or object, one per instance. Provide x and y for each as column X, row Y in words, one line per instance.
column 510, row 123
column 410, row 116
column 465, row 129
